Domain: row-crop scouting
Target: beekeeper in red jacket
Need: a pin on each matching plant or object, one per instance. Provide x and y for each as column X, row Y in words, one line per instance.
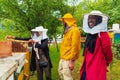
column 97, row 51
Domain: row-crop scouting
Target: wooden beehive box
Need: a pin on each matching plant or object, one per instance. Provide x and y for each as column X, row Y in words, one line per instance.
column 19, row 46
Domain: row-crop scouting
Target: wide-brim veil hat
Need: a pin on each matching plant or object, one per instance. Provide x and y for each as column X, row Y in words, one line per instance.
column 38, row 29
column 102, row 27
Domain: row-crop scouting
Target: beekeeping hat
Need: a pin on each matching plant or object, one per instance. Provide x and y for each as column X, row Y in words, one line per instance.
column 37, row 29
column 68, row 18
column 101, row 27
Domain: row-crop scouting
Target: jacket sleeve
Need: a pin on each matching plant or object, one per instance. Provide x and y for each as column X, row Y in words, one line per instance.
column 75, row 44
column 43, row 44
column 106, row 47
column 25, row 39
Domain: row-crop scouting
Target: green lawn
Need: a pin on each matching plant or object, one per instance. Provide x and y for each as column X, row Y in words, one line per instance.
column 113, row 74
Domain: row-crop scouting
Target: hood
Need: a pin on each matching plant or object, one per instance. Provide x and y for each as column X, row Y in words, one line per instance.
column 68, row 18
column 102, row 27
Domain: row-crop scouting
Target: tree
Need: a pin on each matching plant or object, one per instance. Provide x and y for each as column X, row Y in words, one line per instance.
column 108, row 7
column 28, row 14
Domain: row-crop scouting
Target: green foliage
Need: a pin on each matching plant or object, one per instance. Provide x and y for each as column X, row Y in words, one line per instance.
column 55, row 57
column 8, row 27
column 30, row 14
column 116, row 51
column 108, row 7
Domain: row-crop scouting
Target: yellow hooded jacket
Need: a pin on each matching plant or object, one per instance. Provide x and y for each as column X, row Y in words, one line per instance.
column 70, row 45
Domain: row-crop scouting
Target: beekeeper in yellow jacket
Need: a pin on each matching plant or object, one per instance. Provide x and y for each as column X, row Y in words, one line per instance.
column 70, row 47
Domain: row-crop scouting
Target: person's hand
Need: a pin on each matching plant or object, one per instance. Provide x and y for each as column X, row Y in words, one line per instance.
column 31, row 41
column 71, row 64
column 108, row 69
column 9, row 37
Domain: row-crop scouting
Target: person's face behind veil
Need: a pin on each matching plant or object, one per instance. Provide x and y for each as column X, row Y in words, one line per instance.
column 38, row 33
column 91, row 21
column 94, row 20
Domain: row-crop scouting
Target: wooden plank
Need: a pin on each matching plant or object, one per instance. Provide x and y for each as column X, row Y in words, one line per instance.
column 7, row 68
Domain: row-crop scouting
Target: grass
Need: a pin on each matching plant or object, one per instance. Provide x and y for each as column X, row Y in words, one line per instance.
column 113, row 74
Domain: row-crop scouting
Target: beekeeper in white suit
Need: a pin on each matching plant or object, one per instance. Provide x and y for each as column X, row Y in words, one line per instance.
column 41, row 43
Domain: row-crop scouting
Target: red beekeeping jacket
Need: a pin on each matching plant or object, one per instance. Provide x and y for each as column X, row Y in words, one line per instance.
column 96, row 63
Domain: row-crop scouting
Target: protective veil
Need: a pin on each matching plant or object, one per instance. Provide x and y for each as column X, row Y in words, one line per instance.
column 102, row 27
